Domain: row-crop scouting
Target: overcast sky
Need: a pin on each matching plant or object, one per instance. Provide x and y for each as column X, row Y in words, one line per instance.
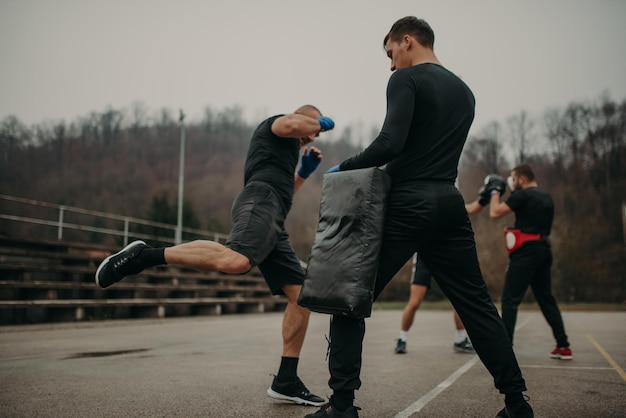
column 60, row 59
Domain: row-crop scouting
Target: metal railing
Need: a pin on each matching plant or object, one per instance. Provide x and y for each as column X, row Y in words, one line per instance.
column 58, row 219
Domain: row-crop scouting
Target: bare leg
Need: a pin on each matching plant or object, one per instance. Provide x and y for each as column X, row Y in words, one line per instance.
column 457, row 321
column 286, row 384
column 295, row 322
column 415, row 300
column 461, row 342
column 207, row 255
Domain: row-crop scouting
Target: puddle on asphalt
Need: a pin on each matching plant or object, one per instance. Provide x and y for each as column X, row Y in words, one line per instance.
column 93, row 354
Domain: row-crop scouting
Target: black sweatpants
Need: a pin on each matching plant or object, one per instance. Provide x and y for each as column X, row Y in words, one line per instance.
column 530, row 266
column 430, row 218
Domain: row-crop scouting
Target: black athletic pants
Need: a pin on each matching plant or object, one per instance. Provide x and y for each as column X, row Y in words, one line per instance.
column 530, row 266
column 430, row 218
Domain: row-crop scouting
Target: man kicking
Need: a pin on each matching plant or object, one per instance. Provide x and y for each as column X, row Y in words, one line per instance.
column 258, row 236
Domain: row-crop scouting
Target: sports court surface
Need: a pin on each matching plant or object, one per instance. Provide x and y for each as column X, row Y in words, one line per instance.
column 221, row 366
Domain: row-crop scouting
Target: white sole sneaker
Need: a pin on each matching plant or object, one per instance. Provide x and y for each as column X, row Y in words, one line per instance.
column 106, row 260
column 273, row 394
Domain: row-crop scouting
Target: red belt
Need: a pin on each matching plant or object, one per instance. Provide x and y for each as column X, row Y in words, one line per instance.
column 515, row 238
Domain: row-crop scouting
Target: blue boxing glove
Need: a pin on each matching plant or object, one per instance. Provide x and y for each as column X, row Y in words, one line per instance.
column 334, row 169
column 308, row 163
column 326, row 123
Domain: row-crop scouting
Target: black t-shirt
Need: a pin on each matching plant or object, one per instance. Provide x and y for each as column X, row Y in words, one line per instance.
column 534, row 210
column 273, row 160
column 429, row 113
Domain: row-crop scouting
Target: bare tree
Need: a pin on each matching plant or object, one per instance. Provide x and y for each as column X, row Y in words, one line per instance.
column 552, row 125
column 486, row 149
column 208, row 121
column 521, row 135
column 12, row 132
column 139, row 119
column 165, row 123
column 110, row 125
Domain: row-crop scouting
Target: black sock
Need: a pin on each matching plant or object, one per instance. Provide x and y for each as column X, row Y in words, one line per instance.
column 152, row 256
column 513, row 398
column 288, row 369
column 342, row 399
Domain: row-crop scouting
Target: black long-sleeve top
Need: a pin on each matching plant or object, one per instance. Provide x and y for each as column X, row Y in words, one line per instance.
column 429, row 114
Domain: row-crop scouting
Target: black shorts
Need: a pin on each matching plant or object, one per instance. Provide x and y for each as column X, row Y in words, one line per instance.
column 421, row 274
column 258, row 233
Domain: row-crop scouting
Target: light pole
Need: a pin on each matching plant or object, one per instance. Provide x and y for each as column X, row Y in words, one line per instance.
column 181, row 179
column 624, row 220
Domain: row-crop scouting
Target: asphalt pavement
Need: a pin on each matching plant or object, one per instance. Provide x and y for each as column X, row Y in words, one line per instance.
column 221, row 366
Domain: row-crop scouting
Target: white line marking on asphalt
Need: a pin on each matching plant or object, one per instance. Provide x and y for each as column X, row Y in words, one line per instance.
column 538, row 366
column 421, row 402
column 424, row 400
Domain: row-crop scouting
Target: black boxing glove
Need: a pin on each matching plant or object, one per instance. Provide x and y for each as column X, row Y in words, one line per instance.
column 494, row 183
column 483, row 196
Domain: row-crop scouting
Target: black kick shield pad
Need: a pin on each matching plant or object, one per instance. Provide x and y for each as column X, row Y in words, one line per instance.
column 342, row 267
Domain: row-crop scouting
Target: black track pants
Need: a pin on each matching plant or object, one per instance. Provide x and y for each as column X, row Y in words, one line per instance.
column 430, row 218
column 530, row 266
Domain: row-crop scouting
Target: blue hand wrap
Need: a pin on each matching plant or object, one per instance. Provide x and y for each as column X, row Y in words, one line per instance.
column 326, row 123
column 334, row 169
column 308, row 163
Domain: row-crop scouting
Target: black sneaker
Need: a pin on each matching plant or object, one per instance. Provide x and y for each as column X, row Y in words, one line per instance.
column 293, row 391
column 502, row 413
column 401, row 347
column 517, row 410
column 464, row 346
column 328, row 411
column 119, row 265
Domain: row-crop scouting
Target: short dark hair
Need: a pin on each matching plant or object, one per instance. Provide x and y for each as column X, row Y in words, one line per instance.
column 307, row 108
column 524, row 170
column 411, row 25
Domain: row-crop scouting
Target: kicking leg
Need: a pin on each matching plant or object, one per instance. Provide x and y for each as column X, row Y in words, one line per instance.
column 207, row 255
column 200, row 255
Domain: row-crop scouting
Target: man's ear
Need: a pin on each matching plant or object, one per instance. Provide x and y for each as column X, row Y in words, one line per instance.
column 406, row 39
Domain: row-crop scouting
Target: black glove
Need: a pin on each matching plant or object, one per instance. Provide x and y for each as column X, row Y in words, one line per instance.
column 494, row 182
column 483, row 196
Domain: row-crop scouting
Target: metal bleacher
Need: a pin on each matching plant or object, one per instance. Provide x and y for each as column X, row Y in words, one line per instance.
column 48, row 280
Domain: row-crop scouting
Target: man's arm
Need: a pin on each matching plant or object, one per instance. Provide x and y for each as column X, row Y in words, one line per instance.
column 473, row 208
column 477, row 205
column 309, row 161
column 295, row 125
column 392, row 137
column 498, row 209
column 298, row 182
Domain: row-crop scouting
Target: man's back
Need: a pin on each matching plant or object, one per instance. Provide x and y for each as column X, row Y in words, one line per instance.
column 443, row 112
column 534, row 210
column 429, row 113
column 272, row 160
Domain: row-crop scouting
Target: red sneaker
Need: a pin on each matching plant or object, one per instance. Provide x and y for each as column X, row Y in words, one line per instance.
column 562, row 353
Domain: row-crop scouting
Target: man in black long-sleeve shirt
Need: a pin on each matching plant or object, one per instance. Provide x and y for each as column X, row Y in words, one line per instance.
column 429, row 114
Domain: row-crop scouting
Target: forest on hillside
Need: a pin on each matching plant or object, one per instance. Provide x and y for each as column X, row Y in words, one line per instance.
column 126, row 161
